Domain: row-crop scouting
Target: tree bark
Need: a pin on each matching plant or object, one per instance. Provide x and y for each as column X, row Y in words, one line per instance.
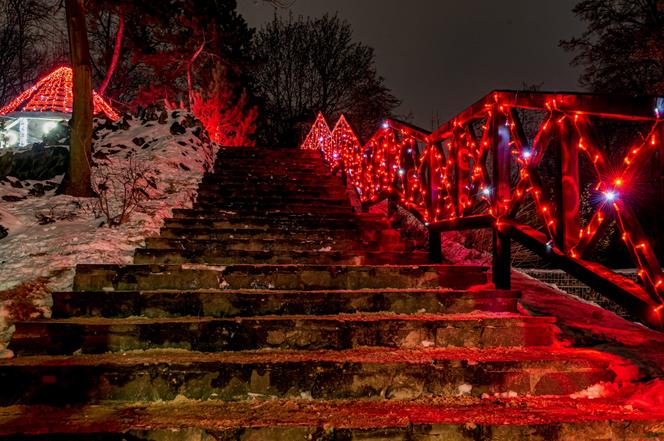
column 116, row 54
column 78, row 179
column 190, row 85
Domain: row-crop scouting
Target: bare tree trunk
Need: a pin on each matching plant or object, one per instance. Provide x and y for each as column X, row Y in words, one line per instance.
column 190, row 85
column 116, row 54
column 78, row 180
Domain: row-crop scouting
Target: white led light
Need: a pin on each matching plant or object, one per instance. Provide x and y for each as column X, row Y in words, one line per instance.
column 611, row 196
column 48, row 126
column 11, row 138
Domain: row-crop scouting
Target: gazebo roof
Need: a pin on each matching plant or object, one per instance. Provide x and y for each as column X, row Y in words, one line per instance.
column 53, row 93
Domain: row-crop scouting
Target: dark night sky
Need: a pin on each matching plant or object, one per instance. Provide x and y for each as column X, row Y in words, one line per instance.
column 442, row 55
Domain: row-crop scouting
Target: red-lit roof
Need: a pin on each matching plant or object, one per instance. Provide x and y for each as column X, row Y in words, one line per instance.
column 53, row 93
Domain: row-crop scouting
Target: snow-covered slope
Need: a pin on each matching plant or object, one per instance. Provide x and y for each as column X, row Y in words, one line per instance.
column 49, row 234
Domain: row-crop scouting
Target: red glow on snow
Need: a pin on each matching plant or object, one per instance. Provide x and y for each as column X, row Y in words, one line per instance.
column 54, row 93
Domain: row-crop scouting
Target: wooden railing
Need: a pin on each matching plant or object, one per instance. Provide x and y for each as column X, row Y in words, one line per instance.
column 480, row 169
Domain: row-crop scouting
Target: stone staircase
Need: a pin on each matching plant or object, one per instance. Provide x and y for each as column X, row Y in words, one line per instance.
column 272, row 310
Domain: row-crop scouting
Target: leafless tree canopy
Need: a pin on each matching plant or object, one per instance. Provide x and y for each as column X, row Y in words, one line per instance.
column 622, row 49
column 308, row 65
column 32, row 40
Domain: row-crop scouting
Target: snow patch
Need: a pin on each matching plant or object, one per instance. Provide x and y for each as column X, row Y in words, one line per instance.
column 598, row 390
column 49, row 234
column 464, row 389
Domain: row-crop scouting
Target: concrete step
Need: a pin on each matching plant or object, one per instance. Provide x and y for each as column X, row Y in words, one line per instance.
column 307, row 332
column 257, row 243
column 285, row 277
column 244, row 303
column 367, row 373
column 218, row 255
column 461, row 419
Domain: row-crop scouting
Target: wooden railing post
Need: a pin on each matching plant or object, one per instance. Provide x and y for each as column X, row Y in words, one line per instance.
column 392, row 206
column 435, row 242
column 435, row 245
column 567, row 222
column 502, row 254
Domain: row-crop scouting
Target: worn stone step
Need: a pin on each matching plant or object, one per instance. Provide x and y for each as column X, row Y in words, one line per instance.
column 283, row 204
column 340, row 214
column 304, row 169
column 289, row 277
column 343, row 331
column 459, row 419
column 293, row 221
column 284, row 195
column 291, row 187
column 275, row 154
column 320, row 375
column 283, row 153
column 244, row 303
column 280, row 211
column 272, row 163
column 239, row 196
column 259, row 233
column 304, row 172
column 258, row 243
column 321, row 175
column 210, row 254
column 276, row 223
column 275, row 163
column 311, row 183
column 265, row 160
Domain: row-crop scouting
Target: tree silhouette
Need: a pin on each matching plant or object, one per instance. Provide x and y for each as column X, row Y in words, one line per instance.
column 622, row 49
column 309, row 65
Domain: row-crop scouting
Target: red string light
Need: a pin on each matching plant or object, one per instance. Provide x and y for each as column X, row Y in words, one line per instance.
column 319, row 135
column 444, row 175
column 54, row 93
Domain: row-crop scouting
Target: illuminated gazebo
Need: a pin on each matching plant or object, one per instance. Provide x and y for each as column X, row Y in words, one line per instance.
column 38, row 109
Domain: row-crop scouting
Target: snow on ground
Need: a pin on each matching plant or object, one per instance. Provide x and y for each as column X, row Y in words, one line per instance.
column 49, row 234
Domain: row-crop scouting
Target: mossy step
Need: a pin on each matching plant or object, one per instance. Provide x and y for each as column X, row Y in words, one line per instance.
column 342, row 331
column 240, row 210
column 321, row 375
column 458, row 419
column 291, row 221
column 227, row 303
column 301, row 277
column 218, row 255
column 258, row 233
column 208, row 196
column 257, row 243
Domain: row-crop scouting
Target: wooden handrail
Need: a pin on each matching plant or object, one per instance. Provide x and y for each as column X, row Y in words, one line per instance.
column 476, row 170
